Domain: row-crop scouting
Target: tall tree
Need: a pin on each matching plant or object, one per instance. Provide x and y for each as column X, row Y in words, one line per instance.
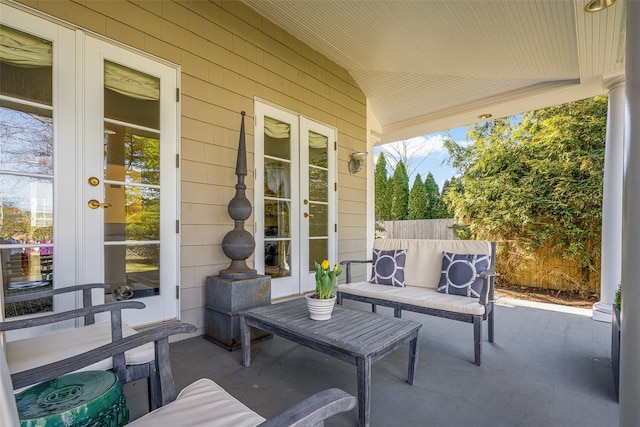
column 537, row 183
column 380, row 187
column 417, row 200
column 400, row 193
column 447, row 212
column 433, row 197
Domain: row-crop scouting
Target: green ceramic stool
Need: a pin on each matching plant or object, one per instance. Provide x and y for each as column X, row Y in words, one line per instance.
column 91, row 398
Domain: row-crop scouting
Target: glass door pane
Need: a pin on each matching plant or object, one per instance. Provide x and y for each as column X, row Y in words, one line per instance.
column 318, row 176
column 277, row 198
column 26, row 169
column 131, row 182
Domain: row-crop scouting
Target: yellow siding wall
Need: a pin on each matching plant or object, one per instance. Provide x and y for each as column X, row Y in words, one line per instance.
column 228, row 55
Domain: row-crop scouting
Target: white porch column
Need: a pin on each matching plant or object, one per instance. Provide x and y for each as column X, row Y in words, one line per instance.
column 630, row 316
column 611, row 265
column 374, row 133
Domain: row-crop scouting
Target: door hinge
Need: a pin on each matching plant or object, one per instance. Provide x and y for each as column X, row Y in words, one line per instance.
column 177, row 94
column 177, row 292
column 335, row 228
column 177, row 160
column 335, row 145
column 335, row 186
column 177, row 226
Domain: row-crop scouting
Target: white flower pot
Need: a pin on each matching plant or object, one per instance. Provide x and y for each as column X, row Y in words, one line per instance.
column 320, row 309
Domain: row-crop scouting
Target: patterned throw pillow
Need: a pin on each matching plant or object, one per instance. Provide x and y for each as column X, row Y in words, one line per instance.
column 388, row 267
column 460, row 274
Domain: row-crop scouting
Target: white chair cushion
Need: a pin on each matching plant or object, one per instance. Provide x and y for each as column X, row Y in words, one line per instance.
column 422, row 297
column 37, row 351
column 424, row 257
column 8, row 409
column 204, row 404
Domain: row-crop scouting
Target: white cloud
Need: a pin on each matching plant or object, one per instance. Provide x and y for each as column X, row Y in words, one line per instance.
column 427, row 153
column 420, row 146
column 431, row 146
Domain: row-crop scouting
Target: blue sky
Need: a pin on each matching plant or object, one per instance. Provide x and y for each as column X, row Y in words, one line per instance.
column 427, row 154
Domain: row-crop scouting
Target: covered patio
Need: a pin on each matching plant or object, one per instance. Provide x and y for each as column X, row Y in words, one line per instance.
column 550, row 366
column 361, row 68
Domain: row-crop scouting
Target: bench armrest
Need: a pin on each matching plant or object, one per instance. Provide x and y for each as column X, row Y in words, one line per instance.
column 159, row 335
column 486, row 294
column 313, row 410
column 347, row 264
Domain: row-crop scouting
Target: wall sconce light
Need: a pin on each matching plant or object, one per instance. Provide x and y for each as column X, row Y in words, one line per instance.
column 357, row 161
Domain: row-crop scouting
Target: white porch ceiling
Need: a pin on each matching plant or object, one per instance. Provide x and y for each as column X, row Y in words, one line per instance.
column 428, row 66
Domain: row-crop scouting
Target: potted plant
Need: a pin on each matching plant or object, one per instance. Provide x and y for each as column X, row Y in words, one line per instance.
column 321, row 302
column 615, row 338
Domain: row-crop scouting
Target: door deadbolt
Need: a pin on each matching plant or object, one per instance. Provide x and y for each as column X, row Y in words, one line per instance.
column 93, row 181
column 94, row 204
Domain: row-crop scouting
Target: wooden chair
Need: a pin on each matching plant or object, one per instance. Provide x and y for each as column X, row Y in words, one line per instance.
column 25, row 355
column 201, row 404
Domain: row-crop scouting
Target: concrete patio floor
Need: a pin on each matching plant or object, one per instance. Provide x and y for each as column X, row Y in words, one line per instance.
column 546, row 368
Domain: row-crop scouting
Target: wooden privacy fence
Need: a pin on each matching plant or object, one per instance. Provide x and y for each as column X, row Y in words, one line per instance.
column 541, row 269
column 537, row 270
column 419, row 229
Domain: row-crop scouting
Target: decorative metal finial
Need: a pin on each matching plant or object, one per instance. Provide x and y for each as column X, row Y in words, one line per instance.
column 239, row 244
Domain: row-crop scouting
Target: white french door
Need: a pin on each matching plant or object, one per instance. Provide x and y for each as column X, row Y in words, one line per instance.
column 129, row 178
column 88, row 176
column 295, row 198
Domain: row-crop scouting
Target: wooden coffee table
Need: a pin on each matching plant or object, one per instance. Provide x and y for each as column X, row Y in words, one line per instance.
column 357, row 337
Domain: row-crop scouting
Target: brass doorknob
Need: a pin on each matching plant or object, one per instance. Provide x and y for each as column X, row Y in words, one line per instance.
column 94, row 204
column 306, row 215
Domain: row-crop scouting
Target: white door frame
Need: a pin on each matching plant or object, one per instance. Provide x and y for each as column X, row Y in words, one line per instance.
column 165, row 305
column 282, row 286
column 300, row 279
column 77, row 239
column 64, row 156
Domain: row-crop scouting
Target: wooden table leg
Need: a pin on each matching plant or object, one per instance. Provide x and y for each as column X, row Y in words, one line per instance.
column 413, row 360
column 364, row 391
column 246, row 342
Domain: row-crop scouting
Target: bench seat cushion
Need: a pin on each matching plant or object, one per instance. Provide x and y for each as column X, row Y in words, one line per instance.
column 204, row 404
column 40, row 350
column 418, row 296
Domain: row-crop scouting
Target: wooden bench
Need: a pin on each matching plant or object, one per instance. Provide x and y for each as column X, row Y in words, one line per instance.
column 422, row 273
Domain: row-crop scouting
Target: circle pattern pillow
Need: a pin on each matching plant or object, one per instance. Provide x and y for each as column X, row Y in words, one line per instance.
column 388, row 267
column 459, row 274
